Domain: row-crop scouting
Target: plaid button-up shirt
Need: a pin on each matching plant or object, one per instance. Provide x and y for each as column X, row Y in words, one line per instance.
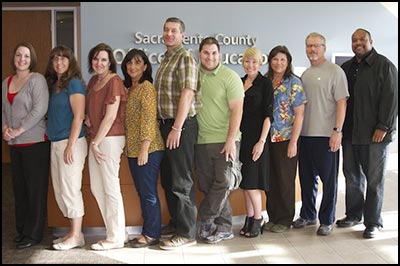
column 178, row 70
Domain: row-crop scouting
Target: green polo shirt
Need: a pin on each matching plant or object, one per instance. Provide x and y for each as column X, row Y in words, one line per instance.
column 217, row 89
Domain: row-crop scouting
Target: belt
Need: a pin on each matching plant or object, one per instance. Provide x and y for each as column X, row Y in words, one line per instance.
column 172, row 120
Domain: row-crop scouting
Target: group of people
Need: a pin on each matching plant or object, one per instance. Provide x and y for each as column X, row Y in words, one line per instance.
column 251, row 130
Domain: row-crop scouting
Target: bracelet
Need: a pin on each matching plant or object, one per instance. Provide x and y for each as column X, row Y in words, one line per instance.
column 176, row 129
column 93, row 143
column 263, row 141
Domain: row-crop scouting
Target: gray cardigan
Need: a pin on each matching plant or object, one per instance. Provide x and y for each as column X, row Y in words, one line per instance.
column 28, row 109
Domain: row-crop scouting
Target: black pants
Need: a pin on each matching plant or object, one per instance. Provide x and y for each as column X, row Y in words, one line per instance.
column 30, row 171
column 316, row 161
column 177, row 177
column 281, row 203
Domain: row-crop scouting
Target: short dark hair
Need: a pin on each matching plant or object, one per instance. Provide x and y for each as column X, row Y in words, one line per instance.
column 369, row 34
column 135, row 53
column 209, row 40
column 32, row 52
column 176, row 20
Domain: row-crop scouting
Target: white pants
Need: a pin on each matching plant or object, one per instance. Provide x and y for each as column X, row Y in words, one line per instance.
column 105, row 187
column 67, row 179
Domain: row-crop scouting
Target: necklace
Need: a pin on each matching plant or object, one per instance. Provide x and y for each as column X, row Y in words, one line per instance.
column 276, row 82
column 100, row 79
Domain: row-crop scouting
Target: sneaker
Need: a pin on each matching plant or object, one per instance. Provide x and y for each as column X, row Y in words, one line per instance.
column 206, row 230
column 324, row 229
column 300, row 222
column 347, row 222
column 279, row 228
column 177, row 242
column 218, row 237
column 269, row 225
column 168, row 231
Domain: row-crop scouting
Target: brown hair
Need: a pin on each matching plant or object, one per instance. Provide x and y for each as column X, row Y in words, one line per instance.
column 209, row 41
column 96, row 50
column 33, row 55
column 176, row 20
column 74, row 71
column 276, row 50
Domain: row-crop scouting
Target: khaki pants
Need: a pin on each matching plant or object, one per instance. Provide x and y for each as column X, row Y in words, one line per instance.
column 67, row 179
column 105, row 187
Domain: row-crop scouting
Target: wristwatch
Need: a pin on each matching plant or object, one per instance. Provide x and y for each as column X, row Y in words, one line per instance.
column 337, row 129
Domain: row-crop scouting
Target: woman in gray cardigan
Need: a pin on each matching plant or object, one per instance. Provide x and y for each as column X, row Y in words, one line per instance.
column 24, row 106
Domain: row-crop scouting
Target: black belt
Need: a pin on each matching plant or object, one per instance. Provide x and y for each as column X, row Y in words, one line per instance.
column 172, row 120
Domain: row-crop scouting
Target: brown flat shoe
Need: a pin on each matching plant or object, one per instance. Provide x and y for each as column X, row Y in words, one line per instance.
column 143, row 241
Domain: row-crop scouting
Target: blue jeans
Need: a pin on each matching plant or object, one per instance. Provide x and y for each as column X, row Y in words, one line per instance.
column 145, row 178
column 364, row 163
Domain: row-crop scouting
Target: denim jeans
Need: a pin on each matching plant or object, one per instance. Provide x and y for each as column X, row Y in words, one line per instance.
column 145, row 178
column 361, row 164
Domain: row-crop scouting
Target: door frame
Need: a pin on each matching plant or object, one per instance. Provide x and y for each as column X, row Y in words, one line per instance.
column 53, row 10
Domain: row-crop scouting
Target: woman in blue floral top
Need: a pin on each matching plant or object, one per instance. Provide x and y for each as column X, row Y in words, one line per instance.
column 288, row 113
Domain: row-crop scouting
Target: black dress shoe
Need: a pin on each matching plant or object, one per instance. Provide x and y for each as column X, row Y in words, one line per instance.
column 371, row 231
column 26, row 242
column 347, row 222
column 19, row 238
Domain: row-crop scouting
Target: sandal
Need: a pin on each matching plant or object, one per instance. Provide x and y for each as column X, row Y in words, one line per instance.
column 67, row 245
column 257, row 228
column 143, row 241
column 248, row 223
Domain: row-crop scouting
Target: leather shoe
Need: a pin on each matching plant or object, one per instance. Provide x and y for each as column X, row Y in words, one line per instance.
column 143, row 241
column 324, row 229
column 347, row 222
column 371, row 231
column 19, row 238
column 301, row 222
column 26, row 242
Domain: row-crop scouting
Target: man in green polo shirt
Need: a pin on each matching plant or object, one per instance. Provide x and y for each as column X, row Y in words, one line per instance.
column 217, row 149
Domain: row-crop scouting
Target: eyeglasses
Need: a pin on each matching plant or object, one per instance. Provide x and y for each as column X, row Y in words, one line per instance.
column 317, row 45
column 60, row 58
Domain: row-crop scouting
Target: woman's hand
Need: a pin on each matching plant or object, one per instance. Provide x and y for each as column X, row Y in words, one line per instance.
column 97, row 154
column 258, row 150
column 8, row 134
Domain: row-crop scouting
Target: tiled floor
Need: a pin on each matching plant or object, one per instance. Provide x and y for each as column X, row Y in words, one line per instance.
column 343, row 246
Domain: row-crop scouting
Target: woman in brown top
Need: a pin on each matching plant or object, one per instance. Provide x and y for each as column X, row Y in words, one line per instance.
column 144, row 144
column 105, row 103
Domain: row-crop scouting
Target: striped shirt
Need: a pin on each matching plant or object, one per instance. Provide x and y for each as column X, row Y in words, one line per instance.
column 178, row 70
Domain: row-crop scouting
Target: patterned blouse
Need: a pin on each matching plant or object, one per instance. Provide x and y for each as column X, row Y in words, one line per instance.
column 141, row 120
column 287, row 95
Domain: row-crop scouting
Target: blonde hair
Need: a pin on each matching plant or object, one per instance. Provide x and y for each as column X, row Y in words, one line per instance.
column 253, row 52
